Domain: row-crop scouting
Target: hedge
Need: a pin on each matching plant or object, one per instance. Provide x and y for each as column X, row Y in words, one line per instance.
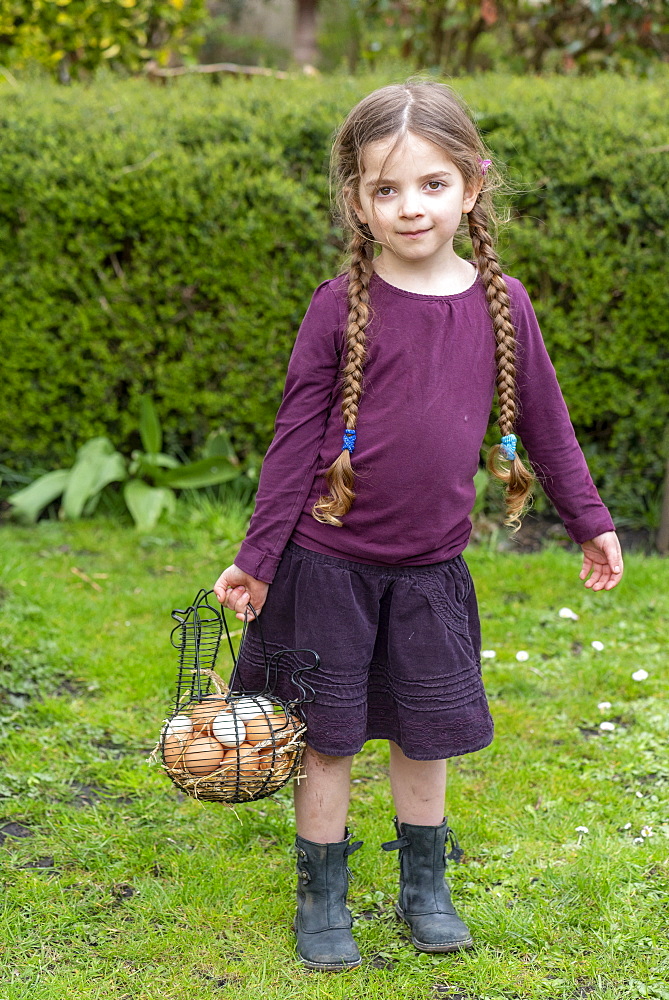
column 167, row 240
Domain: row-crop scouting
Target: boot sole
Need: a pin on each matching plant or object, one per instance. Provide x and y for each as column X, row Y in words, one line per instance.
column 325, row 966
column 320, row 967
column 447, row 946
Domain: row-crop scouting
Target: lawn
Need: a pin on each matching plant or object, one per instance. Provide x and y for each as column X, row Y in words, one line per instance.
column 117, row 886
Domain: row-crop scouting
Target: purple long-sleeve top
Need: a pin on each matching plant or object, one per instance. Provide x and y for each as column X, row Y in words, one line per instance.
column 429, row 381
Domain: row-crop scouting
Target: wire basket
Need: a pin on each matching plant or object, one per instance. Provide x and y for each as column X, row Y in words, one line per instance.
column 223, row 743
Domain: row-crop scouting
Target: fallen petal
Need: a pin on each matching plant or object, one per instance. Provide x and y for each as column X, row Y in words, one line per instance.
column 640, row 675
column 604, row 706
column 596, row 644
column 488, row 654
column 522, row 655
column 607, row 727
column 568, row 613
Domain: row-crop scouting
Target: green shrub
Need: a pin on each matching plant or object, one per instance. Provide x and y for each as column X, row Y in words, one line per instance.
column 167, row 240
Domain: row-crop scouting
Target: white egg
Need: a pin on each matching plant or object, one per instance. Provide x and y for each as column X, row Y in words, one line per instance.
column 228, row 730
column 247, row 708
column 180, row 726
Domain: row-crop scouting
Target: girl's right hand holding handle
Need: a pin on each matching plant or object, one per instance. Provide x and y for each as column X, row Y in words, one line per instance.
column 235, row 589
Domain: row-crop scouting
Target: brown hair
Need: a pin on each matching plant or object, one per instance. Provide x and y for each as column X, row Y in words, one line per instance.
column 433, row 112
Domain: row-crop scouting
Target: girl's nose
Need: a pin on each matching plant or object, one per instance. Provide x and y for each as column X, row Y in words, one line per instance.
column 411, row 205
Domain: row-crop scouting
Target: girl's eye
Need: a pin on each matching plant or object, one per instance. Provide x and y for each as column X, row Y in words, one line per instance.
column 434, row 185
column 384, row 191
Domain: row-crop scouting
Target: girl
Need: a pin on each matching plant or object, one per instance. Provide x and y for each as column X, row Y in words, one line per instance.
column 396, row 362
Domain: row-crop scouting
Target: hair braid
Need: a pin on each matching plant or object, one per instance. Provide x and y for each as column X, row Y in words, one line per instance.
column 339, row 476
column 517, row 477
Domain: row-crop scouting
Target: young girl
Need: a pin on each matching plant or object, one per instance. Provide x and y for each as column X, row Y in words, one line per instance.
column 389, row 389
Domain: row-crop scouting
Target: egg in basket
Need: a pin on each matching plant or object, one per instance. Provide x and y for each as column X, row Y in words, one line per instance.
column 223, row 744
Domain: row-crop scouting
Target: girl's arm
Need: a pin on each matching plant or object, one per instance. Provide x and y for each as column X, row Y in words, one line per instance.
column 293, row 458
column 558, row 462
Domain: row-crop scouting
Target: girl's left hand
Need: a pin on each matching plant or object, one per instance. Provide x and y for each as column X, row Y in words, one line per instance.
column 602, row 557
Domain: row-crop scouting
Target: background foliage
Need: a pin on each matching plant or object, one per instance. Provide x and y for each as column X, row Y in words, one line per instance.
column 168, row 240
column 461, row 36
column 72, row 36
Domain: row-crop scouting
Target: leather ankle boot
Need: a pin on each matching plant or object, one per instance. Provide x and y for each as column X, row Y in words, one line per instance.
column 425, row 898
column 323, row 921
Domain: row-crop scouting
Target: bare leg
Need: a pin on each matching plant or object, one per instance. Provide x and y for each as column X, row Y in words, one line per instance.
column 418, row 787
column 321, row 799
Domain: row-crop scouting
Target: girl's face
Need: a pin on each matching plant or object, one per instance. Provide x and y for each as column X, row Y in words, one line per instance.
column 412, row 197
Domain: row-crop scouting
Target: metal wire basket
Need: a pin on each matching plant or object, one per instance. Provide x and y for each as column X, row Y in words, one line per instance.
column 223, row 743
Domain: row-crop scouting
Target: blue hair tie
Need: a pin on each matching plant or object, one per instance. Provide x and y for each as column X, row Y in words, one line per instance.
column 508, row 447
column 349, row 441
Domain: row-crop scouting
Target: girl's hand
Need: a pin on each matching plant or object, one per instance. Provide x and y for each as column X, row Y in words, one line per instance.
column 235, row 589
column 603, row 557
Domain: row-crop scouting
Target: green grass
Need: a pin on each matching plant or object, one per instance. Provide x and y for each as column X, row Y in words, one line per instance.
column 149, row 895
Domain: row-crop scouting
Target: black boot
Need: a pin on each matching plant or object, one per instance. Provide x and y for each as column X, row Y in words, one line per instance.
column 425, row 898
column 323, row 921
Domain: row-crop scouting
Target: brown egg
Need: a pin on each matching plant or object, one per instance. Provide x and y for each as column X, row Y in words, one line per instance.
column 261, row 727
column 245, row 760
column 204, row 755
column 173, row 753
column 205, row 711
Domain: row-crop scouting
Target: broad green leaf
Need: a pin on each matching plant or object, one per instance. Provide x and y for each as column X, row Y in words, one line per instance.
column 148, row 466
column 219, row 445
column 146, row 503
column 29, row 502
column 97, row 465
column 95, row 447
column 206, row 472
column 149, row 426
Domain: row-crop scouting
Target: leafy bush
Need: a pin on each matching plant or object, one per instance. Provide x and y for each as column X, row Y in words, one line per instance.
column 167, row 240
column 150, row 477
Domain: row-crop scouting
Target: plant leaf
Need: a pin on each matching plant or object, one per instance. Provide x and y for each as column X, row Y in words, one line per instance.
column 29, row 502
column 146, row 503
column 97, row 465
column 218, row 445
column 149, row 426
column 206, row 472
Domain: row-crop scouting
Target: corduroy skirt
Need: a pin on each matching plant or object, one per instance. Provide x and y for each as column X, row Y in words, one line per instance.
column 399, row 652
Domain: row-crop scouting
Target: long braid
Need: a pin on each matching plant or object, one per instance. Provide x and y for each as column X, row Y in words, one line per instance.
column 517, row 477
column 339, row 477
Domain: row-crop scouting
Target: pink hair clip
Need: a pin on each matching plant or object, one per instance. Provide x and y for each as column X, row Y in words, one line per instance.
column 485, row 165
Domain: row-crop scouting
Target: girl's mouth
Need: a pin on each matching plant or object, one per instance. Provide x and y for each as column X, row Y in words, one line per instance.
column 414, row 234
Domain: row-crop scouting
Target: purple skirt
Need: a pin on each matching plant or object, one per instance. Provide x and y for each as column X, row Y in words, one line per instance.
column 399, row 647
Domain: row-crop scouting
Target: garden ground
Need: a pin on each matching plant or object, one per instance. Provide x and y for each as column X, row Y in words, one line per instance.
column 117, row 886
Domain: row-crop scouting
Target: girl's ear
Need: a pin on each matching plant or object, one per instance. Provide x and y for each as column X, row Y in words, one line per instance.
column 471, row 194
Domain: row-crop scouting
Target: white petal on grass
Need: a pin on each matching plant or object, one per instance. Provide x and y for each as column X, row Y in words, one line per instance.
column 638, row 840
column 640, row 675
column 607, row 727
column 646, row 831
column 604, row 706
column 582, row 829
column 627, row 826
column 488, row 654
column 568, row 613
column 522, row 655
column 596, row 644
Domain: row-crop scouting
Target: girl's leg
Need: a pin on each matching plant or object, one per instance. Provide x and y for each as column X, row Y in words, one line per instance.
column 323, row 921
column 418, row 787
column 321, row 799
